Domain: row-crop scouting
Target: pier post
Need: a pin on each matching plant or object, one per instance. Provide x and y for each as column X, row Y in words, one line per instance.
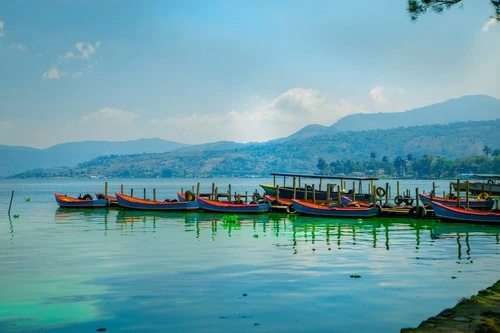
column 154, row 194
column 467, row 194
column 294, row 189
column 106, row 189
column 144, row 193
column 10, row 205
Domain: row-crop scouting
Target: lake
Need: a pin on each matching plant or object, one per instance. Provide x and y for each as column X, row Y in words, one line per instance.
column 124, row 271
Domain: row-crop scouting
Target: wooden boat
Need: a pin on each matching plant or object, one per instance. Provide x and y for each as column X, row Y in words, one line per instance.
column 130, row 202
column 461, row 214
column 302, row 191
column 479, row 184
column 477, row 204
column 87, row 201
column 354, row 211
column 209, row 205
column 112, row 200
column 281, row 205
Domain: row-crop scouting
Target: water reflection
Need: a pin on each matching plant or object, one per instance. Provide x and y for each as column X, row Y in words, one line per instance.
column 292, row 230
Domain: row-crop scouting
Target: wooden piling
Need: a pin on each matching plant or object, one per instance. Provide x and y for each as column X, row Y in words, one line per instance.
column 154, row 194
column 106, row 189
column 313, row 193
column 353, row 190
column 294, row 189
column 121, row 188
column 458, row 192
column 144, row 193
column 467, row 194
column 11, row 198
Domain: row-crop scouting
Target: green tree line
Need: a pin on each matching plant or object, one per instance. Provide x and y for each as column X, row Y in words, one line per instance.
column 424, row 167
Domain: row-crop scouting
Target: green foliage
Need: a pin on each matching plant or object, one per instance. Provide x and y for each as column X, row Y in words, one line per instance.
column 430, row 151
column 418, row 7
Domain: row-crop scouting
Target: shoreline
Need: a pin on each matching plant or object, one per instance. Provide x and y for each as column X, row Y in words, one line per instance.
column 479, row 313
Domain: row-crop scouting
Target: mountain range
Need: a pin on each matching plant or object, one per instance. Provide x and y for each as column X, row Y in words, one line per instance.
column 457, row 127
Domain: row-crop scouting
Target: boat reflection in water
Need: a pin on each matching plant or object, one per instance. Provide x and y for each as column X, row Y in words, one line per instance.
column 301, row 234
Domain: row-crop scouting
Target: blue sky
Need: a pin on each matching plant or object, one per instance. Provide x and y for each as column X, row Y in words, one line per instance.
column 205, row 71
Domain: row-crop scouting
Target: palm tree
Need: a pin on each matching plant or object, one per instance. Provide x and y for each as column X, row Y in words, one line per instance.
column 487, row 150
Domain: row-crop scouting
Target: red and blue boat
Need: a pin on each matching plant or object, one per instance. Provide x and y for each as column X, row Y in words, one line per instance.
column 130, row 202
column 209, row 205
column 87, row 201
column 352, row 211
column 476, row 204
column 461, row 214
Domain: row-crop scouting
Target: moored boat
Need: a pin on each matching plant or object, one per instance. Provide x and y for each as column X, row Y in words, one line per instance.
column 479, row 184
column 450, row 201
column 461, row 214
column 240, row 207
column 86, row 201
column 112, row 200
column 130, row 202
column 318, row 192
column 353, row 211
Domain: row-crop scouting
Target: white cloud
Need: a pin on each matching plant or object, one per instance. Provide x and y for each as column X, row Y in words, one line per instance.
column 68, row 55
column 109, row 115
column 377, row 95
column 5, row 124
column 488, row 24
column 17, row 46
column 52, row 74
column 2, row 24
column 86, row 49
column 262, row 121
column 383, row 96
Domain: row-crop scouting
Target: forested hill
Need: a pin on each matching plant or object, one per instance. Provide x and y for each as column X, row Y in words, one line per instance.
column 16, row 159
column 295, row 155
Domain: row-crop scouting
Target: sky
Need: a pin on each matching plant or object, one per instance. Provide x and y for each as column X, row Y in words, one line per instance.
column 244, row 71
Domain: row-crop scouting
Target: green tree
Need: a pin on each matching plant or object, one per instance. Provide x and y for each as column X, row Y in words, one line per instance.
column 400, row 165
column 486, row 150
column 419, row 7
column 322, row 165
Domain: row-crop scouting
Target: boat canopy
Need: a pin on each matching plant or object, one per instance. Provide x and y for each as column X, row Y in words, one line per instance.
column 479, row 176
column 317, row 176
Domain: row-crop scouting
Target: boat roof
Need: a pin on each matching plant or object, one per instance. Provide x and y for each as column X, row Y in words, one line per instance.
column 479, row 176
column 317, row 176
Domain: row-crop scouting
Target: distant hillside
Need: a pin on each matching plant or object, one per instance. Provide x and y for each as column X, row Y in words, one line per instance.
column 16, row 159
column 295, row 155
column 467, row 108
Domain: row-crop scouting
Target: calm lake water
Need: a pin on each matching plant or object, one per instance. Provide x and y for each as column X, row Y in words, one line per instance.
column 84, row 270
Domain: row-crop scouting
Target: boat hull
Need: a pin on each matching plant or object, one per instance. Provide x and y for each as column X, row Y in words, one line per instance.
column 308, row 208
column 230, row 207
column 130, row 202
column 478, row 204
column 459, row 214
column 65, row 201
